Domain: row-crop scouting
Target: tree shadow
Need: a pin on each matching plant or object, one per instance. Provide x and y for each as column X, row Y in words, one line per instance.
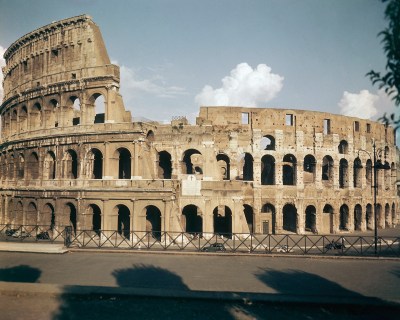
column 22, row 273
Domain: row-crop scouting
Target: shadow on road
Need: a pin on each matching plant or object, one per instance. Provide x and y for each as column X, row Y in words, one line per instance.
column 22, row 273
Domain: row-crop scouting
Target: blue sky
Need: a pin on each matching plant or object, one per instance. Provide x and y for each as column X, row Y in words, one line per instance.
column 178, row 54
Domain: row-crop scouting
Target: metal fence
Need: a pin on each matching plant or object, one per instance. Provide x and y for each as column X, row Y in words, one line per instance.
column 292, row 244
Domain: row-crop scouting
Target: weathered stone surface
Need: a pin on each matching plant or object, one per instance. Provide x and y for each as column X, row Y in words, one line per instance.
column 65, row 162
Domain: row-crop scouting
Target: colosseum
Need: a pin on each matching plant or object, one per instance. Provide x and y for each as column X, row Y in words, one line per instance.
column 68, row 160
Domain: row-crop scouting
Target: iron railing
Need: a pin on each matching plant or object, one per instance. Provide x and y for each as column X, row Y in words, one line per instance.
column 292, row 244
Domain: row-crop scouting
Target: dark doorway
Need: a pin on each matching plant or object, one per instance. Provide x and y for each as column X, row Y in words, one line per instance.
column 223, row 221
column 96, row 218
column 268, row 170
column 124, row 164
column 124, row 216
column 311, row 221
column 165, row 165
column 153, row 221
column 290, row 218
column 344, row 218
column 193, row 222
column 248, row 213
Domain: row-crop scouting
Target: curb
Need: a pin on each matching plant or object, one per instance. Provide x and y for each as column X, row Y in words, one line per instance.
column 98, row 292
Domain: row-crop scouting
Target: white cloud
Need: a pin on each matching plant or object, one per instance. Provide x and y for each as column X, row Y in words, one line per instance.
column 361, row 105
column 2, row 64
column 244, row 86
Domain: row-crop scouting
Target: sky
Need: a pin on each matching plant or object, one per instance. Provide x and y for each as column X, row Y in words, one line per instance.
column 176, row 55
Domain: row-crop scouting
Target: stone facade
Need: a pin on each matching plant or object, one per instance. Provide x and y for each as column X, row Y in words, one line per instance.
column 65, row 161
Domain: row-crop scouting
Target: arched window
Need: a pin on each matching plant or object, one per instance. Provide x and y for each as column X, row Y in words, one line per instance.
column 192, row 221
column 224, row 166
column 49, row 170
column 357, row 217
column 369, row 217
column 164, row 165
column 327, row 169
column 70, row 164
column 267, row 170
column 98, row 101
column 269, row 209
column 289, row 218
column 249, row 215
column 124, row 163
column 343, row 174
column 71, row 211
column 289, row 170
column 311, row 219
column 31, row 215
column 33, row 166
column 248, row 167
column 96, row 218
column 267, row 143
column 368, row 171
column 153, row 222
column 124, row 220
column 309, row 168
column 357, row 166
column 36, row 117
column 343, row 147
column 47, row 216
column 192, row 162
column 95, row 164
column 223, row 221
column 344, row 218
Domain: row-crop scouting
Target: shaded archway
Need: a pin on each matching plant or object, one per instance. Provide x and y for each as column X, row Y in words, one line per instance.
column 343, row 174
column 47, row 216
column 249, row 215
column 309, row 166
column 21, row 166
column 368, row 171
column 247, row 170
column 70, row 165
column 124, row 163
column 269, row 209
column 394, row 220
column 95, row 162
column 344, row 218
column 33, row 166
column 192, row 221
column 124, row 221
column 49, row 166
column 289, row 170
column 289, row 218
column 164, row 165
column 379, row 221
column 369, row 217
column 153, row 221
column 268, row 170
column 72, row 215
column 223, row 221
column 343, row 147
column 388, row 222
column 96, row 218
column 328, row 219
column 357, row 167
column 358, row 217
column 192, row 162
column 31, row 214
column 267, row 143
column 224, row 166
column 327, row 169
column 311, row 219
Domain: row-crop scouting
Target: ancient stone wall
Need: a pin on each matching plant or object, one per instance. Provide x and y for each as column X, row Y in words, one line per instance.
column 241, row 170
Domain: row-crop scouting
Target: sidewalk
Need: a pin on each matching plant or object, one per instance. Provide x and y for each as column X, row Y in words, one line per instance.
column 35, row 247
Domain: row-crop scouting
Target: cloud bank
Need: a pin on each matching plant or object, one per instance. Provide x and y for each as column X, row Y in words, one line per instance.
column 2, row 64
column 244, row 86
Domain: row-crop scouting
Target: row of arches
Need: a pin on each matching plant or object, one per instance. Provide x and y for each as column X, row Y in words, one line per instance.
column 191, row 218
column 51, row 114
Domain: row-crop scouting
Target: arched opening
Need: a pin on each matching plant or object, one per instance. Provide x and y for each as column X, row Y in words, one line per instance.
column 72, row 215
column 124, row 163
column 72, row 115
column 248, row 167
column 164, row 165
column 224, row 166
column 344, row 218
column 357, row 166
column 379, row 220
column 33, row 166
column 343, row 174
column 192, row 221
column 153, row 222
column 289, row 170
column 309, row 166
column 343, row 147
column 388, row 222
column 267, row 170
column 70, row 165
column 150, row 136
column 23, row 119
column 394, row 220
column 49, row 166
column 249, row 215
column 35, row 117
column 368, row 171
column 327, row 169
column 358, row 217
column 11, row 166
column 47, row 216
column 18, row 217
column 124, row 218
column 223, row 221
column 328, row 219
column 21, row 166
column 95, row 158
column 99, row 107
column 289, row 218
column 51, row 114
column 31, row 215
column 192, row 162
column 96, row 218
column 267, row 143
column 311, row 219
column 270, row 212
column 369, row 217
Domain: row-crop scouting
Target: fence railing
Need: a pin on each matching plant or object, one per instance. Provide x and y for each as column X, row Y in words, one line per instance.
column 292, row 244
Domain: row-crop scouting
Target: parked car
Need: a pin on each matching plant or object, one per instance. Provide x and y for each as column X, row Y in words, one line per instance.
column 284, row 249
column 10, row 232
column 44, row 235
column 214, row 247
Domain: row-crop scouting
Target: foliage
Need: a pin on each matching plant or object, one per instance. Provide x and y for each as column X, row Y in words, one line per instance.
column 390, row 81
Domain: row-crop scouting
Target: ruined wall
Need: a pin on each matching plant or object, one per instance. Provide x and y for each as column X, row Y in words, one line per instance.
column 236, row 170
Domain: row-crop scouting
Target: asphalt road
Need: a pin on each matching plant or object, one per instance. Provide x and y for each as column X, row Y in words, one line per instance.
column 314, row 280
